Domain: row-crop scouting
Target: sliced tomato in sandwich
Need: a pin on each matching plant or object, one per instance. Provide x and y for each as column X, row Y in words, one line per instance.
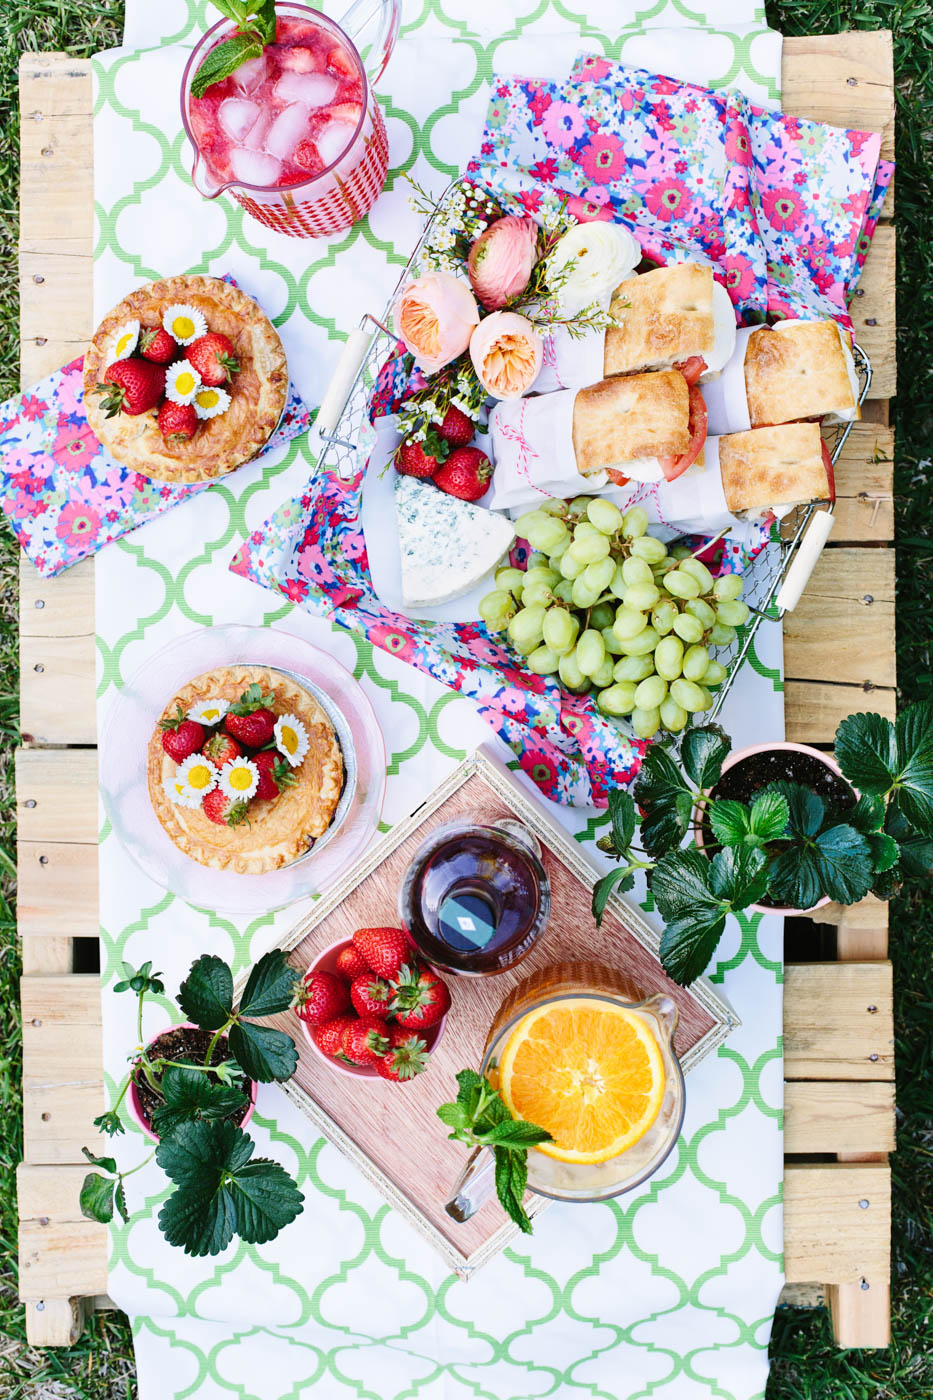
column 830, row 474
column 616, row 477
column 673, row 467
column 692, row 369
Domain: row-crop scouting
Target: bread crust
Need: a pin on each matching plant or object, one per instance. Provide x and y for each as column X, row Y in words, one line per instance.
column 796, row 373
column 664, row 316
column 641, row 415
column 278, row 829
column 775, row 466
column 258, row 395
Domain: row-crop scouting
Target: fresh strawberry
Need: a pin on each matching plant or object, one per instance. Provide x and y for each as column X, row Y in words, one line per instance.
column 407, row 1056
column 420, row 997
column 350, row 963
column 224, row 810
column 221, row 748
column 181, row 736
column 157, row 345
column 329, row 1036
column 456, row 428
column 339, row 61
column 213, row 358
column 250, row 720
column 320, row 997
column 385, row 949
column 306, row 155
column 274, row 774
column 371, row 995
column 466, row 474
column 412, row 459
column 365, row 1041
column 178, row 422
column 131, row 386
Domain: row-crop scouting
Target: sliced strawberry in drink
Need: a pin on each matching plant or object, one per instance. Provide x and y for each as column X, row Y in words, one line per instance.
column 349, row 112
column 306, row 157
column 300, row 60
column 339, row 61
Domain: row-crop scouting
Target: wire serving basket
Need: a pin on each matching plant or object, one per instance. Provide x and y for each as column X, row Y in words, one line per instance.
column 774, row 580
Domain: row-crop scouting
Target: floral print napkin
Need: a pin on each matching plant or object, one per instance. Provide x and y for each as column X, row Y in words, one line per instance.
column 782, row 207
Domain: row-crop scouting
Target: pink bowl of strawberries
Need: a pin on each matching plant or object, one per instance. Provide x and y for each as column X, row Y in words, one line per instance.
column 371, row 1007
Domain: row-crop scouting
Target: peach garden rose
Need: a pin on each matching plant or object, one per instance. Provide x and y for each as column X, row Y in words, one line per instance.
column 506, row 352
column 435, row 317
column 501, row 260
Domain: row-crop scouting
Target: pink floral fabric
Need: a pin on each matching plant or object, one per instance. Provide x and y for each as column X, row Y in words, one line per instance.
column 782, row 208
column 313, row 552
column 62, row 492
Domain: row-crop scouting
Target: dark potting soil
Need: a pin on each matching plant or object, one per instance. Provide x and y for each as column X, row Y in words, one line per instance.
column 743, row 781
column 184, row 1043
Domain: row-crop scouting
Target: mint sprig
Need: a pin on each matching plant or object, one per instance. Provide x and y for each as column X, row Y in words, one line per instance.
column 480, row 1118
column 255, row 21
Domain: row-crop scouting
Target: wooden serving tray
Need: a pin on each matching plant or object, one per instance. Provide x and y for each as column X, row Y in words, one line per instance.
column 393, row 1133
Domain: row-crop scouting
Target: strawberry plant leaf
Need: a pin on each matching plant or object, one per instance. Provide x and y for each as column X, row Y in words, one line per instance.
column 665, row 802
column 107, row 1164
column 769, row 817
column 867, row 815
column 220, row 1192
column 916, row 851
column 680, row 883
column 866, row 751
column 119, row 1198
column 271, row 986
column 262, row 1052
column 190, row 1094
column 688, row 944
column 730, row 821
column 109, row 1123
column 223, row 60
column 834, row 861
column 702, row 753
column 739, row 874
column 914, row 791
column 96, row 1198
column 694, row 895
column 622, row 818
column 884, row 851
column 206, row 995
column 617, row 881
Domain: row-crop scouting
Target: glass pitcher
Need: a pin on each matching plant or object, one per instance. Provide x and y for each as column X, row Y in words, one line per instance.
column 248, row 141
column 577, row 983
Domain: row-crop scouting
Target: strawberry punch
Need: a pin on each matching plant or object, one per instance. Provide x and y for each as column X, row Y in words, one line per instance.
column 293, row 131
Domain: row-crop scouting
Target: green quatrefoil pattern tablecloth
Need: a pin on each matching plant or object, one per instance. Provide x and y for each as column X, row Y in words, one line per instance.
column 668, row 1292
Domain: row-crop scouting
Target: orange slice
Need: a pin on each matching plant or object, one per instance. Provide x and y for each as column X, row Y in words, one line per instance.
column 588, row 1071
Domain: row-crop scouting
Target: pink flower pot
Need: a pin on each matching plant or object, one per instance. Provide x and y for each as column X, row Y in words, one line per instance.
column 135, row 1106
column 326, row 961
column 735, row 758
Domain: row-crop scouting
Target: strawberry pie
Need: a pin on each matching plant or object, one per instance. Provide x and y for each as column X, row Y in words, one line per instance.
column 245, row 770
column 185, row 380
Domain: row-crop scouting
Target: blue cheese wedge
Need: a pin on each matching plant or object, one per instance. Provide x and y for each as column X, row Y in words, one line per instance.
column 446, row 545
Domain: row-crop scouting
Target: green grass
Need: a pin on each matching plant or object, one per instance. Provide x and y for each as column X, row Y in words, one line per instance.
column 806, row 1364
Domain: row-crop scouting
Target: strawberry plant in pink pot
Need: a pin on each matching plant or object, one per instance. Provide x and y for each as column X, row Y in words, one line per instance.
column 779, row 828
column 191, row 1089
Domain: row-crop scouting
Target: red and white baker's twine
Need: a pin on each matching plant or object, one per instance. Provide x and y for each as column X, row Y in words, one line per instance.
column 525, row 450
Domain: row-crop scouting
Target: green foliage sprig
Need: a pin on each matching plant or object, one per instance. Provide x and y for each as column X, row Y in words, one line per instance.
column 255, row 21
column 789, row 846
column 221, row 1190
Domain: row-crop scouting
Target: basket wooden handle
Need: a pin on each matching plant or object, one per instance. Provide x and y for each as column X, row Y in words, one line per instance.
column 341, row 381
column 811, row 547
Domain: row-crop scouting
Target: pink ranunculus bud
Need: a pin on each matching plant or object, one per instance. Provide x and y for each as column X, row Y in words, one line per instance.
column 506, row 352
column 501, row 260
column 435, row 316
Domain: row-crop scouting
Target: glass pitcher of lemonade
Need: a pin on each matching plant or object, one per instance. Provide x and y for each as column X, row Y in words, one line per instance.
column 296, row 135
column 578, row 1049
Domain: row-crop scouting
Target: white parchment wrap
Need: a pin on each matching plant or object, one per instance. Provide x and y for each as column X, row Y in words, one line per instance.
column 532, row 447
column 726, row 404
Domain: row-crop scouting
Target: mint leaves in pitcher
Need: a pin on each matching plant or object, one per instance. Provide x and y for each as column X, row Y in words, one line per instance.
column 255, row 21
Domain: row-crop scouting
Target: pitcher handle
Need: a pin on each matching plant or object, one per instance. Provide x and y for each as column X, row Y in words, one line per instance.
column 356, row 19
column 473, row 1187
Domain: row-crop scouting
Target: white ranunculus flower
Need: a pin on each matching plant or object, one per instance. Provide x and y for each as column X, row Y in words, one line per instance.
column 602, row 255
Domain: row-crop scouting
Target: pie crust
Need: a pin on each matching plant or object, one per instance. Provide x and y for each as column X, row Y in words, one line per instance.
column 258, row 394
column 278, row 830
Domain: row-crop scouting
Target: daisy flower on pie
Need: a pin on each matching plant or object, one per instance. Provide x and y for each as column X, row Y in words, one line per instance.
column 184, row 323
column 192, row 780
column 291, row 738
column 239, row 779
column 182, row 382
column 210, row 402
column 124, row 342
column 209, row 712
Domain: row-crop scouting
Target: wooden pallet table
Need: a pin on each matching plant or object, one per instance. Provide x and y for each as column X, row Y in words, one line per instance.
column 839, row 657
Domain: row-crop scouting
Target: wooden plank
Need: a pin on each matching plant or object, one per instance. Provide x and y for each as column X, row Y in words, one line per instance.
column 51, row 669
column 838, row 1022
column 813, row 710
column 847, row 612
column 56, row 795
column 861, row 929
column 837, row 1222
column 63, row 1082
column 57, row 890
column 841, row 79
column 834, row 1117
column 56, row 1322
column 861, row 1312
column 873, row 311
column 802, row 1295
column 57, row 607
column 865, row 486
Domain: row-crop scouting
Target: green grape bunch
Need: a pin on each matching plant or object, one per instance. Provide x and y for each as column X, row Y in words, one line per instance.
column 612, row 611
